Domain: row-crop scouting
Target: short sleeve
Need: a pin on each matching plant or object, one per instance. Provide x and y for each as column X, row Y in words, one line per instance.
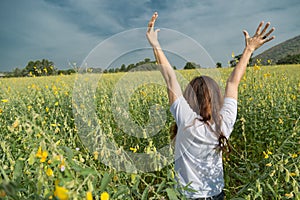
column 229, row 114
column 182, row 112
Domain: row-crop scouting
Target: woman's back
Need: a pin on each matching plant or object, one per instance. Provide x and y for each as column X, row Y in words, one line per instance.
column 196, row 157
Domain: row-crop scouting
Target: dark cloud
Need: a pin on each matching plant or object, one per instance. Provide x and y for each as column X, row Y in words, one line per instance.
column 68, row 30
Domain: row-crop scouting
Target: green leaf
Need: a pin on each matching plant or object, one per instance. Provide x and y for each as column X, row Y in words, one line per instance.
column 31, row 158
column 171, row 194
column 69, row 152
column 18, row 169
column 145, row 193
column 105, row 180
column 161, row 186
column 121, row 190
column 11, row 190
column 272, row 190
column 87, row 171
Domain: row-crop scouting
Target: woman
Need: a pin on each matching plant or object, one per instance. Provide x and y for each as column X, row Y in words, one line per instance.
column 204, row 118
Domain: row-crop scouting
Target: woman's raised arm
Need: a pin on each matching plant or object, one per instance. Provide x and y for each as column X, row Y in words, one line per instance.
column 252, row 43
column 167, row 71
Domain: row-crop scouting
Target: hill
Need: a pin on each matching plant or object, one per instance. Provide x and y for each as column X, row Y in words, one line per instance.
column 280, row 51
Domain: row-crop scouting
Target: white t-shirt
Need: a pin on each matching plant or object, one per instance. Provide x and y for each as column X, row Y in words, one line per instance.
column 196, row 159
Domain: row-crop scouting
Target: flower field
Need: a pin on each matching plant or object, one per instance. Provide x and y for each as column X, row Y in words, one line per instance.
column 46, row 152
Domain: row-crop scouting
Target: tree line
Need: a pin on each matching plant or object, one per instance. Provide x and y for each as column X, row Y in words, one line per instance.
column 36, row 68
column 145, row 65
column 45, row 67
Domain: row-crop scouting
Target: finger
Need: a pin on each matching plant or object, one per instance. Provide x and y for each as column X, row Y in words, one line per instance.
column 266, row 27
column 269, row 33
column 150, row 26
column 152, row 21
column 269, row 39
column 259, row 27
column 246, row 34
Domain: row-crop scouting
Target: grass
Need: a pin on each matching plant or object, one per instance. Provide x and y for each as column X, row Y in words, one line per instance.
column 49, row 145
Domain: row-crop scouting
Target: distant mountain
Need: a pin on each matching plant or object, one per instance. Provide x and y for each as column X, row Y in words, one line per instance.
column 280, row 51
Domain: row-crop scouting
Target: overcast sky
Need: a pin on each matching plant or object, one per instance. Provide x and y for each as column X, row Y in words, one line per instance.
column 66, row 31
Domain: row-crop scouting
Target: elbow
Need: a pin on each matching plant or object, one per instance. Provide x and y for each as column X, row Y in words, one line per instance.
column 233, row 81
column 232, row 84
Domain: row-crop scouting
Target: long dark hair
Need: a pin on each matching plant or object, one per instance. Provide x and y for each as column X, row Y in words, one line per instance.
column 204, row 96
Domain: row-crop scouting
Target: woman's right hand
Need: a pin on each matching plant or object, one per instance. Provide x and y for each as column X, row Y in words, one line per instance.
column 151, row 33
column 259, row 38
column 252, row 43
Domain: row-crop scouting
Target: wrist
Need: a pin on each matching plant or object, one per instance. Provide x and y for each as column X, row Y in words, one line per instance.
column 249, row 49
column 156, row 47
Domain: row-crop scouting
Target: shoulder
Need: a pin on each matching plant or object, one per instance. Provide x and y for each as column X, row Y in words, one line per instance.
column 182, row 111
column 229, row 104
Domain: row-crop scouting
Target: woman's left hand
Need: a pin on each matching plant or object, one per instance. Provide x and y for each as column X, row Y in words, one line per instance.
column 259, row 38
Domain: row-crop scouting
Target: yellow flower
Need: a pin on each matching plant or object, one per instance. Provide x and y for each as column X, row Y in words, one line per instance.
column 256, row 67
column 56, row 104
column 42, row 154
column 269, row 164
column 133, row 178
column 96, row 155
column 258, row 61
column 267, row 75
column 294, row 155
column 47, row 109
column 293, row 174
column 61, row 193
column 289, row 195
column 269, row 61
column 39, row 154
column 4, row 100
column 115, row 178
column 16, row 123
column 266, row 154
column 280, row 121
column 133, row 149
column 49, row 172
column 143, row 93
column 104, row 196
column 272, row 173
column 172, row 174
column 89, row 196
